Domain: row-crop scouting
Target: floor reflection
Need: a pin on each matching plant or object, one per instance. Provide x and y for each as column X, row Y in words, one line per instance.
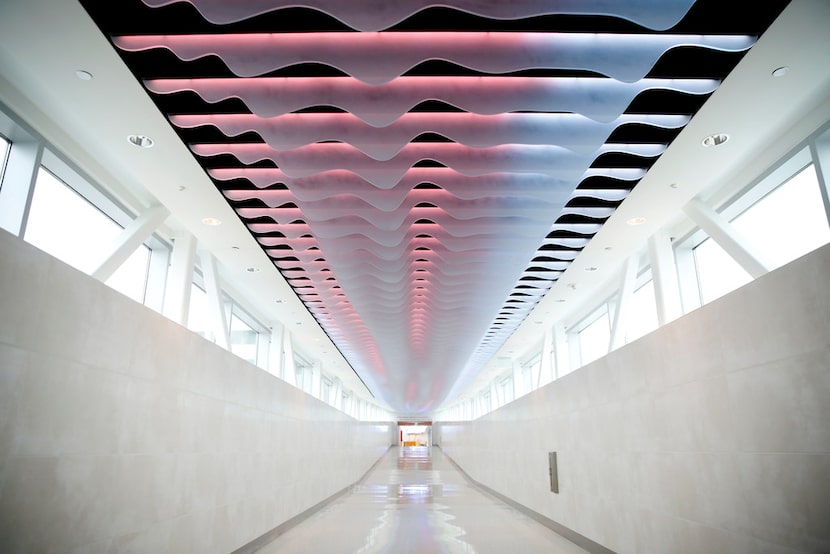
column 416, row 501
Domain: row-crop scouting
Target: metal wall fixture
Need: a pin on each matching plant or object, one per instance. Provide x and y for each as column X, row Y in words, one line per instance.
column 553, row 469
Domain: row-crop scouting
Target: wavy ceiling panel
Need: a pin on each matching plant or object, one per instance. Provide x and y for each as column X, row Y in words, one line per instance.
column 382, row 105
column 379, row 58
column 421, row 174
column 370, row 15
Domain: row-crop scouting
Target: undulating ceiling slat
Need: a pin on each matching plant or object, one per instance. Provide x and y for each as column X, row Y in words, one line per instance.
column 422, row 174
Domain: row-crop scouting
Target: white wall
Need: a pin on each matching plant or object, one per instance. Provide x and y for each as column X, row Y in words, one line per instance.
column 121, row 431
column 711, row 434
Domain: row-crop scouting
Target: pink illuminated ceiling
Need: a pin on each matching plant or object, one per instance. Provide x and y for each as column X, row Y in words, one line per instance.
column 422, row 174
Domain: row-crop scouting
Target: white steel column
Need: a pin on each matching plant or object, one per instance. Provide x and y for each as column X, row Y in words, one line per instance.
column 820, row 151
column 518, row 383
column 574, row 352
column 219, row 322
column 130, row 239
column 560, row 345
column 276, row 364
column 722, row 232
column 619, row 325
column 546, row 361
column 289, row 371
column 180, row 278
column 316, row 379
column 664, row 278
column 337, row 391
column 494, row 396
column 19, row 183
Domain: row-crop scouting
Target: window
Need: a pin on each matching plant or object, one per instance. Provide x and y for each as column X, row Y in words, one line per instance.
column 717, row 272
column 346, row 403
column 198, row 314
column 562, row 360
column 530, row 373
column 245, row 333
column 485, row 402
column 783, row 217
column 788, row 222
column 594, row 339
column 66, row 225
column 244, row 339
column 506, row 389
column 642, row 313
column 326, row 387
column 303, row 373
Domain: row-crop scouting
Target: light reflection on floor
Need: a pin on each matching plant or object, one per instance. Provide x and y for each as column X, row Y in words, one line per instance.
column 416, row 501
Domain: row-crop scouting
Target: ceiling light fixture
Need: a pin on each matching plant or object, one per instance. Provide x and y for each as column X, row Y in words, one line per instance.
column 591, row 268
column 211, row 221
column 253, row 270
column 636, row 220
column 781, row 71
column 715, row 140
column 142, row 141
column 83, row 75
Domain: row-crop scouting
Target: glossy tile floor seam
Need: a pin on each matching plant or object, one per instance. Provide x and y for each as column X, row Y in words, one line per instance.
column 416, row 501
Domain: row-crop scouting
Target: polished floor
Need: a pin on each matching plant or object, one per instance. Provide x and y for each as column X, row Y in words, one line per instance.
column 416, row 501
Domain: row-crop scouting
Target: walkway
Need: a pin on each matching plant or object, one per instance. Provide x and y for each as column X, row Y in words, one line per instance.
column 416, row 501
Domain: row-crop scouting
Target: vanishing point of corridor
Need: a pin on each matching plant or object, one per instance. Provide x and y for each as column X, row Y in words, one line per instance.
column 416, row 501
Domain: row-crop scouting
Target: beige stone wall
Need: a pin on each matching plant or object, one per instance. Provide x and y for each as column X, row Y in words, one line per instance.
column 711, row 434
column 121, row 431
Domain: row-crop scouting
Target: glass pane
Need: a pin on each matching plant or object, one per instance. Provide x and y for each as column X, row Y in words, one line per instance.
column 325, row 391
column 565, row 367
column 507, row 390
column 527, row 379
column 67, row 226
column 594, row 339
column 717, row 272
column 243, row 339
column 131, row 278
column 642, row 316
column 198, row 314
column 788, row 222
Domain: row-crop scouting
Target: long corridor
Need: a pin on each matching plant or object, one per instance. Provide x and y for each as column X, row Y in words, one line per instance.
column 414, row 501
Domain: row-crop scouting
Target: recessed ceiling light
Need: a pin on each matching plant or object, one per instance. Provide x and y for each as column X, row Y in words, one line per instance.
column 83, row 75
column 591, row 268
column 278, row 301
column 715, row 140
column 212, row 221
column 559, row 300
column 636, row 220
column 781, row 71
column 253, row 270
column 142, row 141
column 674, row 186
column 181, row 188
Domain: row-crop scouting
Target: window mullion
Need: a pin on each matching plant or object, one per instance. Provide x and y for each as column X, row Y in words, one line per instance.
column 19, row 183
